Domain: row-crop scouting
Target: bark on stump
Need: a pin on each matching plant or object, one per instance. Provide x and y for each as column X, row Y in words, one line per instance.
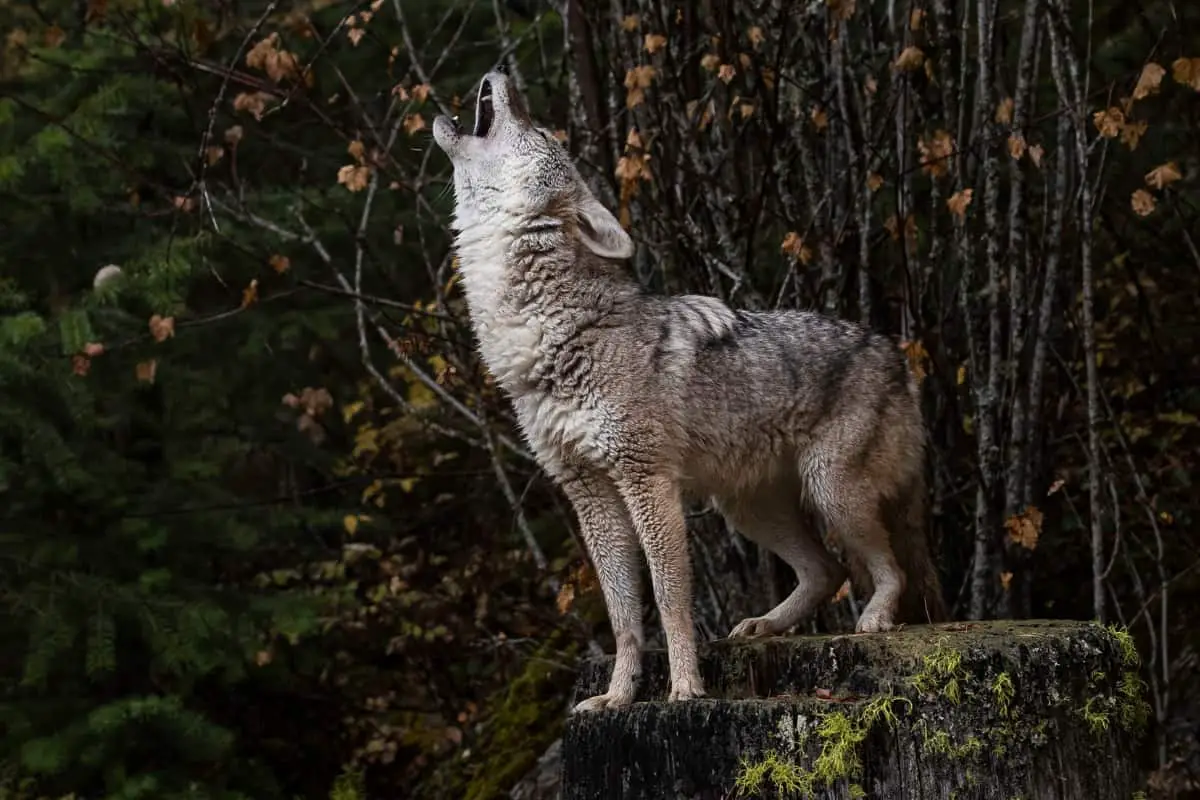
column 1005, row 710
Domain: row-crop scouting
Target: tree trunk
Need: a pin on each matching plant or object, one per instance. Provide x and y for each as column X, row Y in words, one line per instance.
column 1031, row 709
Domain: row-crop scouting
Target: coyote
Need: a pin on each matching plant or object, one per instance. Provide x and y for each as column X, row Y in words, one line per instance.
column 788, row 422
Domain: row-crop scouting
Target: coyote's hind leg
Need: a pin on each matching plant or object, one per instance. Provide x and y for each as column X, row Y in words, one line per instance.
column 775, row 520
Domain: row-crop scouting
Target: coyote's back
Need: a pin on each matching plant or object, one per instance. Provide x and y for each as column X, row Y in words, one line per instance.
column 804, row 430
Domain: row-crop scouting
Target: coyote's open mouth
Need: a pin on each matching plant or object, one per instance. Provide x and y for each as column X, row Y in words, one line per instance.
column 485, row 113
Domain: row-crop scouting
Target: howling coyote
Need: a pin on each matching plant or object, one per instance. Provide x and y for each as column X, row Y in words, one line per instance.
column 788, row 421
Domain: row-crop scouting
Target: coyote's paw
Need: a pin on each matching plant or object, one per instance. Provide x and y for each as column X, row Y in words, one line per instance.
column 753, row 627
column 873, row 622
column 686, row 689
column 602, row 701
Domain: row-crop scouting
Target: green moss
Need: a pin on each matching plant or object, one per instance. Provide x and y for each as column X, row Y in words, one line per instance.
column 1095, row 715
column 1003, row 692
column 1132, row 709
column 349, row 786
column 840, row 734
column 942, row 673
column 1125, row 644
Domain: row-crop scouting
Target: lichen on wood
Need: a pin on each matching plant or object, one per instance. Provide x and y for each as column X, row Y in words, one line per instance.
column 1033, row 709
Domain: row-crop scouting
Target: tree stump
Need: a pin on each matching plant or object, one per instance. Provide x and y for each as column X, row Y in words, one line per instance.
column 1005, row 710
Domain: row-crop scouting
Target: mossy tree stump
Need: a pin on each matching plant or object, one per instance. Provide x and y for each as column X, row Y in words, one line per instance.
column 1005, row 710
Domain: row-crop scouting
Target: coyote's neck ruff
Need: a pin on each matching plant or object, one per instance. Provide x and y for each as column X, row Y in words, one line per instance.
column 788, row 421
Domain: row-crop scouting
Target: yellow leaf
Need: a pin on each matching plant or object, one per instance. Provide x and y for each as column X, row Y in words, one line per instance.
column 350, row 523
column 654, row 42
column 350, row 410
column 1162, row 176
column 961, row 377
column 959, row 201
column 1149, row 81
column 1143, row 203
column 911, row 58
column 407, row 484
column 250, row 294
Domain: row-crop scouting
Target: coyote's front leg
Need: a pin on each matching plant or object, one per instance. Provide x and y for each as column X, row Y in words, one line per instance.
column 656, row 509
column 612, row 545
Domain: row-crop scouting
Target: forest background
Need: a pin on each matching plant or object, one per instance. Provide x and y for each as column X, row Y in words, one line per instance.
column 267, row 529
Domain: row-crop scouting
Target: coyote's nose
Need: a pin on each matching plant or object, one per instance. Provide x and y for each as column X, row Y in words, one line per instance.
column 502, row 68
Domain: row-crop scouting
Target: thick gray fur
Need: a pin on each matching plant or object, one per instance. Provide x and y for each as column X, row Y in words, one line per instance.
column 632, row 401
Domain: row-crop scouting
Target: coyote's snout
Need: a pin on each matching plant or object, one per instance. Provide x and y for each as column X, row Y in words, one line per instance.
column 790, row 422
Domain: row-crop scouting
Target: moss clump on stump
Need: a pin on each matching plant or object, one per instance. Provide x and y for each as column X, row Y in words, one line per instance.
column 987, row 710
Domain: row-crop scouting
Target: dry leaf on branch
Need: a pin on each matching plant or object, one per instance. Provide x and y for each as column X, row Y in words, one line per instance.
column 93, row 349
column 1004, row 111
column 820, row 119
column 1132, row 132
column 253, row 102
column 1035, row 154
column 1016, row 146
column 874, row 181
column 354, row 177
column 1143, row 203
column 935, row 153
column 959, row 201
column 1005, row 580
column 654, row 42
column 630, row 22
column 1187, row 72
column 233, row 134
column 250, row 294
column 280, row 263
column 794, row 246
column 1025, row 528
column 1163, row 176
column 756, row 36
column 413, row 123
column 726, row 72
column 710, row 61
column 1149, row 81
column 420, row 93
column 1109, row 122
column 916, row 19
column 146, row 370
column 910, row 59
column 637, row 80
column 80, row 364
column 162, row 328
column 842, row 9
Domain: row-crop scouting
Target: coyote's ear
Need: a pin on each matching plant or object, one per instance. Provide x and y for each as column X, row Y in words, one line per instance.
column 600, row 230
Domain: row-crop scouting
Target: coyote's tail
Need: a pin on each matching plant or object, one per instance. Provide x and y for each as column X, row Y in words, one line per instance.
column 922, row 600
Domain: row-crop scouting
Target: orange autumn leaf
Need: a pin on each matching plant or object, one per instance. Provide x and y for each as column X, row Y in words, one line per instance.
column 1143, row 203
column 280, row 263
column 1132, row 132
column 911, row 58
column 935, row 153
column 1187, row 72
column 630, row 22
column 250, row 294
column 1164, row 175
column 1016, row 147
column 146, row 370
column 654, row 42
column 1004, row 111
column 794, row 246
column 1109, row 122
column 820, row 119
column 959, row 201
column 1025, row 528
column 1149, row 81
column 354, row 177
column 874, row 181
column 162, row 328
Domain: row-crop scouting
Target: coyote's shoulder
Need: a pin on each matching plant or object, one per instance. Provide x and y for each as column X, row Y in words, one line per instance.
column 790, row 422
